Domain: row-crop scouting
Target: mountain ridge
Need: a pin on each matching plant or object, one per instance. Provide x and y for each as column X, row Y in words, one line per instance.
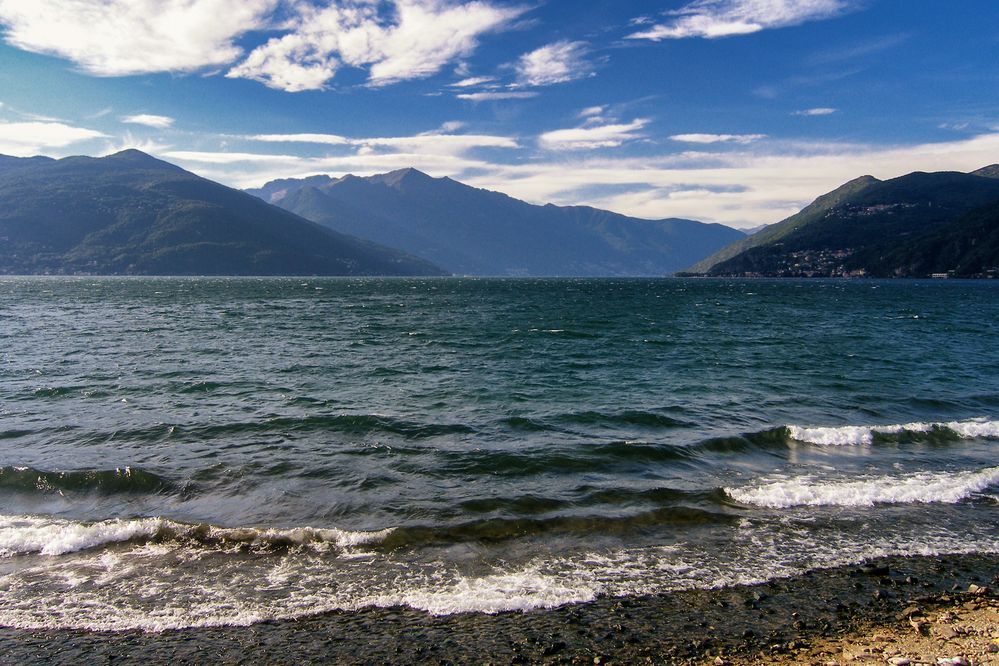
column 131, row 213
column 869, row 227
column 475, row 231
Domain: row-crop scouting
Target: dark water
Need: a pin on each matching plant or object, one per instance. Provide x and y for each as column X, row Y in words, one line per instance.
column 191, row 452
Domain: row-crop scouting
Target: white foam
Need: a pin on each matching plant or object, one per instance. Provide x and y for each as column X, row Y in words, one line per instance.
column 52, row 536
column 156, row 588
column 975, row 428
column 913, row 488
column 523, row 590
column 47, row 536
column 317, row 539
column 978, row 428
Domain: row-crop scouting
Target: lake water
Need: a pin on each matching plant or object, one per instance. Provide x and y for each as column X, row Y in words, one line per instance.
column 179, row 452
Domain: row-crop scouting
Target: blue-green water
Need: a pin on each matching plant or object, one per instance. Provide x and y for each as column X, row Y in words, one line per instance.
column 190, row 452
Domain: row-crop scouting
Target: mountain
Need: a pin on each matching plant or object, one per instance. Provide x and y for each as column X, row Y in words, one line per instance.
column 472, row 231
column 755, row 230
column 911, row 226
column 130, row 213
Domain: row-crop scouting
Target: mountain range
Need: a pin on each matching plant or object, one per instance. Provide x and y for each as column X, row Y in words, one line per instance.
column 917, row 225
column 471, row 231
column 130, row 213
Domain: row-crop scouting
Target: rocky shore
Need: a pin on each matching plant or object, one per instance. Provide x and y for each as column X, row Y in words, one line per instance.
column 897, row 611
column 951, row 629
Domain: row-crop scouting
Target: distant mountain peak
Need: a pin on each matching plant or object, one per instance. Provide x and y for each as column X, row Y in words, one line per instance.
column 401, row 177
column 133, row 158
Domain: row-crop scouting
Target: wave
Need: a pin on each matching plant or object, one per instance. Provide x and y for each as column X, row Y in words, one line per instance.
column 119, row 480
column 926, row 488
column 597, row 511
column 979, row 428
column 498, row 530
column 627, row 418
column 347, row 424
column 22, row 535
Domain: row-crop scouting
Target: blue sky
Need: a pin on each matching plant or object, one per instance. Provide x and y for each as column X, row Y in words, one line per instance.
column 732, row 111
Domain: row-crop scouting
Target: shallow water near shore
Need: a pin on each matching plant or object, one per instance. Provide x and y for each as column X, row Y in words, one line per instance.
column 180, row 452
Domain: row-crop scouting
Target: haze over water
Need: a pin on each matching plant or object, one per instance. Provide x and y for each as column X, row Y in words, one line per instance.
column 186, row 452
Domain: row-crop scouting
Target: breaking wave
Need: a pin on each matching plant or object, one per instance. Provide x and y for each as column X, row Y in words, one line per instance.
column 21, row 535
column 927, row 488
column 979, row 428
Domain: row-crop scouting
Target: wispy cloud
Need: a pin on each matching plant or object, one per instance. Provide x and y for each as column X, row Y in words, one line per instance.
column 106, row 111
column 592, row 112
column 326, row 139
column 496, row 95
column 37, row 138
column 395, row 41
column 593, row 136
column 426, row 143
column 473, row 81
column 859, row 51
column 555, row 63
column 123, row 37
column 742, row 139
column 723, row 18
column 28, row 115
column 817, row 111
column 149, row 120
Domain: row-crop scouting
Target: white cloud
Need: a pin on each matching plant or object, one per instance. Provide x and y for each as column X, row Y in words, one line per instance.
column 493, row 96
column 742, row 188
column 429, row 143
column 36, row 138
column 592, row 112
column 818, row 111
column 592, row 137
column 722, row 18
column 328, row 139
column 560, row 62
column 473, row 81
column 124, row 37
column 128, row 140
column 149, row 120
column 718, row 138
column 441, row 144
column 395, row 40
column 756, row 185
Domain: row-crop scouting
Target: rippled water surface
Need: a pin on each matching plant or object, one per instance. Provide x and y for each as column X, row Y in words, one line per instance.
column 189, row 452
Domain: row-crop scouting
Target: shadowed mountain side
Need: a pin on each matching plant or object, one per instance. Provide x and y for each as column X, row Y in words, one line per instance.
column 814, row 211
column 910, row 226
column 479, row 232
column 129, row 213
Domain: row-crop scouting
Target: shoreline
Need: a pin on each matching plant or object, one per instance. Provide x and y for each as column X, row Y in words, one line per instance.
column 804, row 619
